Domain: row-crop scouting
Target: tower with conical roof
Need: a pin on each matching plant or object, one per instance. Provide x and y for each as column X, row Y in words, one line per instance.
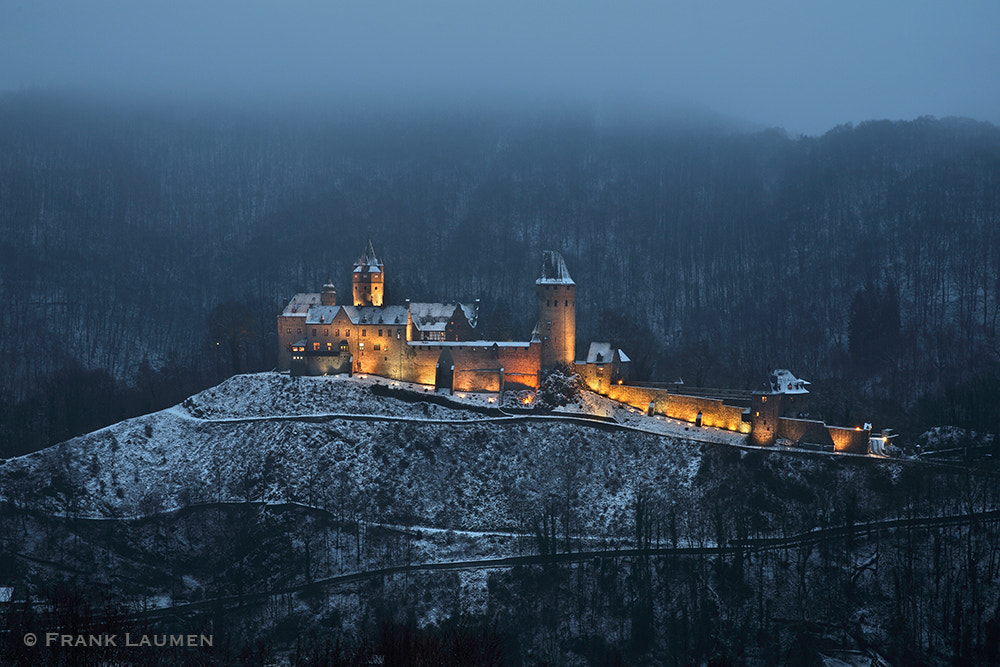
column 556, row 310
column 368, row 279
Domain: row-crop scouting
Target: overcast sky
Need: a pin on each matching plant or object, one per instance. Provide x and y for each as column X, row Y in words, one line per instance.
column 799, row 64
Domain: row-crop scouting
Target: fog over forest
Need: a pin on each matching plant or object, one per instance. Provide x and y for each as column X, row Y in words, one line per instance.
column 148, row 250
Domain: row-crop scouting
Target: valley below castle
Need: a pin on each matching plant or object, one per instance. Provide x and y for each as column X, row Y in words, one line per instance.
column 274, row 510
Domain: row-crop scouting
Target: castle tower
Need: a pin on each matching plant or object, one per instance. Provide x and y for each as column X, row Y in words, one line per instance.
column 556, row 310
column 368, row 279
column 329, row 295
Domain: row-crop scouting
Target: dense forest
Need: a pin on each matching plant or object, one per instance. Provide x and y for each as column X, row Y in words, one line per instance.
column 146, row 251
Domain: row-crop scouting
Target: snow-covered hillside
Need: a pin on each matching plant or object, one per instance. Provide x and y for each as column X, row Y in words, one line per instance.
column 243, row 440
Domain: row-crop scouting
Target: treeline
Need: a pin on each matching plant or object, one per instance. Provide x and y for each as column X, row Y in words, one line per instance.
column 866, row 260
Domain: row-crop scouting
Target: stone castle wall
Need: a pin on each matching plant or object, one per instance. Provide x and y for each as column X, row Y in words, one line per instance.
column 804, row 430
column 850, row 440
column 714, row 412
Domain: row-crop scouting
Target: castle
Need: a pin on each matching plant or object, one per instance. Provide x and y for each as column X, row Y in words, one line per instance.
column 436, row 343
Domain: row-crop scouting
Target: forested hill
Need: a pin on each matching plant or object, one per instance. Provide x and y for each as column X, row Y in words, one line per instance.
column 145, row 253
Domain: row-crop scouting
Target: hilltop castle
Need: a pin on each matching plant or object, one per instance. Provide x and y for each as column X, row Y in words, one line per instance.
column 434, row 343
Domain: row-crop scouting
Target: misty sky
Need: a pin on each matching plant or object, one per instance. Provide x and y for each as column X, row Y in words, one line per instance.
column 802, row 65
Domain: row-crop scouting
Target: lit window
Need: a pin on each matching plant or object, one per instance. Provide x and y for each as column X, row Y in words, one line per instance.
column 315, row 346
column 329, row 347
column 288, row 330
column 347, row 333
column 336, row 332
column 377, row 347
column 326, row 332
column 361, row 346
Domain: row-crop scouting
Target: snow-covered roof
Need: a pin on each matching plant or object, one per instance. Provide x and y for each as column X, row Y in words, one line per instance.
column 599, row 353
column 604, row 353
column 300, row 304
column 435, row 316
column 368, row 261
column 381, row 315
column 781, row 381
column 322, row 314
column 471, row 312
column 554, row 269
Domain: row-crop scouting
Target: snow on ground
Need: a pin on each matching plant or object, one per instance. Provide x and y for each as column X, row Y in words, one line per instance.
column 474, row 474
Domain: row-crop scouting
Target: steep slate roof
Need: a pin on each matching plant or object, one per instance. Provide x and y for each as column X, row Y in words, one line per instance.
column 368, row 261
column 554, row 270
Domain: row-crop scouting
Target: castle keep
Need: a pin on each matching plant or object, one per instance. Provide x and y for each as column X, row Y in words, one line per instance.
column 426, row 343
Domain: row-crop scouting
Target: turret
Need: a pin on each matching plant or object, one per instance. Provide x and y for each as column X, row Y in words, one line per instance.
column 368, row 279
column 329, row 295
column 556, row 310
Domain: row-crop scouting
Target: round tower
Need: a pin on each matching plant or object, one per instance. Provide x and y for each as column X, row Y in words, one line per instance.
column 329, row 295
column 556, row 311
column 368, row 279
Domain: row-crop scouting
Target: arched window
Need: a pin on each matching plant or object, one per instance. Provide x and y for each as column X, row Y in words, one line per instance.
column 344, row 349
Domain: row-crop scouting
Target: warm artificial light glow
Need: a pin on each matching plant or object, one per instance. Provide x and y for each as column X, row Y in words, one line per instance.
column 528, row 400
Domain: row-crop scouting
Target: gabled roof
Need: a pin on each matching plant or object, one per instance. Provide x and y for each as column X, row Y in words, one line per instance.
column 381, row 315
column 599, row 353
column 300, row 304
column 604, row 353
column 554, row 270
column 322, row 314
column 433, row 316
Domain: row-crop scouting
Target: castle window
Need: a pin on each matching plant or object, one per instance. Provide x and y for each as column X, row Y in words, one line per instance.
column 364, row 332
column 347, row 333
column 361, row 346
column 380, row 332
column 314, row 332
column 566, row 303
column 316, row 346
column 298, row 330
column 289, row 347
column 336, row 333
column 288, row 330
column 377, row 347
column 329, row 347
column 343, row 347
column 326, row 332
